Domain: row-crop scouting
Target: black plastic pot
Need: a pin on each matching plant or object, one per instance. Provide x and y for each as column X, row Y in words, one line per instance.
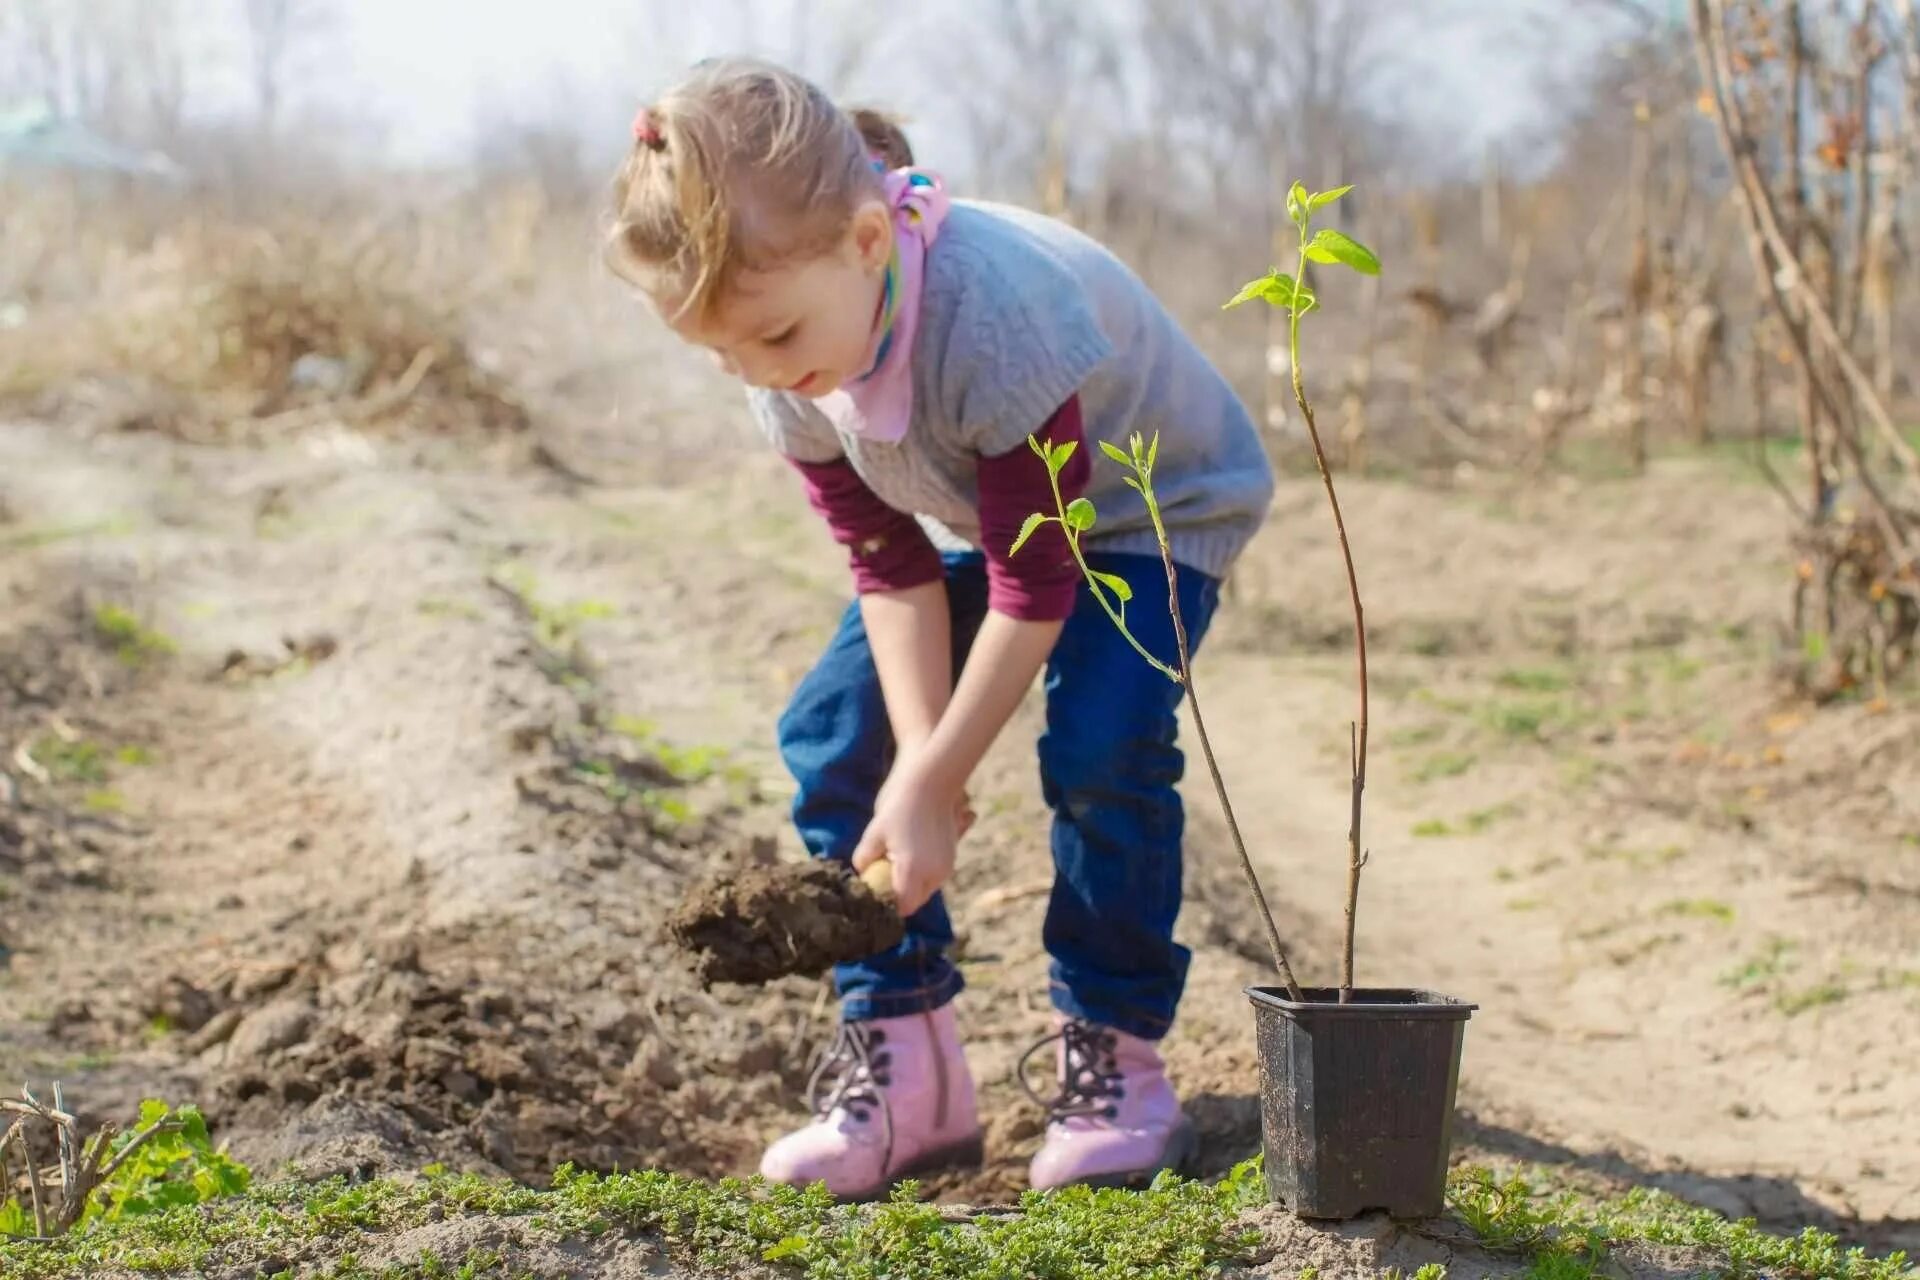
column 1356, row 1099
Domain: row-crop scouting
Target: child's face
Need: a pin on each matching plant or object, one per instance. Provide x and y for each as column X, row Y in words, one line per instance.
column 805, row 327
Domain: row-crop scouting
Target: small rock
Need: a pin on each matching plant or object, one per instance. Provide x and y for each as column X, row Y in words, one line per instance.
column 218, row 1028
column 270, row 1029
column 184, row 1006
column 461, row 1085
column 67, row 1015
column 655, row 1063
column 229, row 902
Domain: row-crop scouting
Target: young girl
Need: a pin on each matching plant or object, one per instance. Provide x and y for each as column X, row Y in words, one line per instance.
column 899, row 348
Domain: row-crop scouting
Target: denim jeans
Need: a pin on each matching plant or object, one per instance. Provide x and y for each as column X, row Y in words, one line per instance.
column 1109, row 768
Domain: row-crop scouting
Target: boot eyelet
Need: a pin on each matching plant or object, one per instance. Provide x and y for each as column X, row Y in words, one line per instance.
column 882, row 1080
column 1119, row 1092
column 882, row 1059
column 876, row 1036
column 1111, row 1113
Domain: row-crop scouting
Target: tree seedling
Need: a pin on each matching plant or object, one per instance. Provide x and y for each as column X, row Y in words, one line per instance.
column 1292, row 294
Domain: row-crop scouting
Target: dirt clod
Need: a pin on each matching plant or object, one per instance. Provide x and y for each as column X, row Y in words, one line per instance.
column 754, row 924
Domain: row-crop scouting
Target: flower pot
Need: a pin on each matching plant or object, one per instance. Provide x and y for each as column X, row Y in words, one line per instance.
column 1356, row 1099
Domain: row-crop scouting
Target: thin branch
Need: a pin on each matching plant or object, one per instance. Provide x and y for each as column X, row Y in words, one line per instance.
column 1708, row 16
column 1213, row 768
column 1765, row 238
column 1355, row 857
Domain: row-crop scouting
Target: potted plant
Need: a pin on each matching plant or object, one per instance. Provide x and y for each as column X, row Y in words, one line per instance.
column 1357, row 1084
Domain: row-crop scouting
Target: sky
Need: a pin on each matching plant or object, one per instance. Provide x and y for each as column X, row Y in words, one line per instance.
column 430, row 71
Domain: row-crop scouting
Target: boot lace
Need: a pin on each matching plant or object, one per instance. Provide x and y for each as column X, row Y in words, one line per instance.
column 1089, row 1081
column 850, row 1073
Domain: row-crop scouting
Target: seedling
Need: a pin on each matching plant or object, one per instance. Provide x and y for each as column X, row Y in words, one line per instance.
column 1292, row 294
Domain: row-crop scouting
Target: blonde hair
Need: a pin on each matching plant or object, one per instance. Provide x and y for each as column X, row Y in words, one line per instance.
column 741, row 166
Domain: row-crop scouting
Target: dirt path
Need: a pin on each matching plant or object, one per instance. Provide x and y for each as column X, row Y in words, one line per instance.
column 375, row 865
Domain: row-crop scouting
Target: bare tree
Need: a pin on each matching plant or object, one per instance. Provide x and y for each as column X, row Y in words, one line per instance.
column 277, row 33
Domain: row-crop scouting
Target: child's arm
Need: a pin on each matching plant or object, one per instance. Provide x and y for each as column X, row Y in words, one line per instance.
column 1028, row 602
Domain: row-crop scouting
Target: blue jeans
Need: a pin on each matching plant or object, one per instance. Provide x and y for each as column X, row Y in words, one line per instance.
column 1108, row 770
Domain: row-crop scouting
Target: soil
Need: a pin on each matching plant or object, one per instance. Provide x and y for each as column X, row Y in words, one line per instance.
column 375, row 856
column 760, row 923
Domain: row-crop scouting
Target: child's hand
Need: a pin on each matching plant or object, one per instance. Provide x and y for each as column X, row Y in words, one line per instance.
column 917, row 832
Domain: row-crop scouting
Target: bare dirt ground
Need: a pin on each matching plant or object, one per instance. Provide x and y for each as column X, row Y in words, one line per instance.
column 351, row 782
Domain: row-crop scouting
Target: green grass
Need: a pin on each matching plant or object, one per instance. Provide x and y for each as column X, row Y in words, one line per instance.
column 76, row 761
column 134, row 641
column 1174, row 1230
column 1795, row 1003
column 31, row 538
column 104, row 800
column 1418, row 735
column 1443, row 764
column 1762, row 969
column 1472, row 824
column 1535, row 679
column 1568, row 1238
column 1531, row 719
column 1698, row 909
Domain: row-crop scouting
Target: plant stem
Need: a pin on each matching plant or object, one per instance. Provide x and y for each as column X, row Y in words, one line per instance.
column 1206, row 749
column 1093, row 584
column 1356, row 859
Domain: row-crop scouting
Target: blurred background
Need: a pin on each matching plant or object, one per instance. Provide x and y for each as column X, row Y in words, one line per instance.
column 376, row 569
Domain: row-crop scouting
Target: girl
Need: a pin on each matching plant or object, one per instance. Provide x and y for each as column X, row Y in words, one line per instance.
column 899, row 348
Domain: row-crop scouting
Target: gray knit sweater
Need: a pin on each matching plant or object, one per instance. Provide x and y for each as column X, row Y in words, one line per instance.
column 1020, row 311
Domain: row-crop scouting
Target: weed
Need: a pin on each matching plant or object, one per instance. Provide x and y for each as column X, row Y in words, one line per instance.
column 71, row 761
column 1529, row 719
column 47, row 535
column 1795, row 1003
column 1526, row 904
column 133, row 641
column 102, row 800
column 1480, row 819
column 138, row 757
column 1443, row 764
column 1416, row 736
column 1432, row 828
column 1512, row 1215
column 441, row 607
column 1698, row 909
column 1535, row 679
column 1578, row 772
column 1174, row 1229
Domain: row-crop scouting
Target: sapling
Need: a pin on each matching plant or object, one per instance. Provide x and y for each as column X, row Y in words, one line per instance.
column 1076, row 518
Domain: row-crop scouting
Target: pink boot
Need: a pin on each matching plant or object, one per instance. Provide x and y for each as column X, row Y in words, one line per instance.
column 1115, row 1121
column 892, row 1099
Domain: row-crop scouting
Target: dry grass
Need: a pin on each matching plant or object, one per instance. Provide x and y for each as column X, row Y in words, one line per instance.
column 206, row 323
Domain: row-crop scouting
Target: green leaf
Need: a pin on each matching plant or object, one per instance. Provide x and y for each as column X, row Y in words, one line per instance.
column 1298, row 205
column 1321, row 199
column 152, row 1112
column 1032, row 523
column 785, row 1249
column 1033, row 443
column 1276, row 289
column 1080, row 514
column 1058, row 455
column 1115, row 452
column 1153, row 450
column 1133, row 484
column 1330, row 247
column 1114, row 583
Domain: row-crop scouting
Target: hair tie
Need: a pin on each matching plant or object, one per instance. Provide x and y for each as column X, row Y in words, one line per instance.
column 646, row 131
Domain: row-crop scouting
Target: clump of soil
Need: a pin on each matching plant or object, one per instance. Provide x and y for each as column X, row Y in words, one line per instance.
column 754, row 924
